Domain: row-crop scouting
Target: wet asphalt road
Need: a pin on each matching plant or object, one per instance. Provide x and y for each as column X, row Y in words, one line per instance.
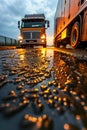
column 43, row 89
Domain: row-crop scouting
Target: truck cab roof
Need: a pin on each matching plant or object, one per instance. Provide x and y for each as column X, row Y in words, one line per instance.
column 33, row 16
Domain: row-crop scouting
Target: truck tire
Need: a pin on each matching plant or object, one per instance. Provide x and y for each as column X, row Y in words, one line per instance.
column 74, row 38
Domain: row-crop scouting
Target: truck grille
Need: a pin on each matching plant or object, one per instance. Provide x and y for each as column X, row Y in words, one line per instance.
column 31, row 35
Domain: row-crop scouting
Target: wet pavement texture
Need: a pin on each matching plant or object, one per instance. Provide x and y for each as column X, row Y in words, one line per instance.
column 42, row 89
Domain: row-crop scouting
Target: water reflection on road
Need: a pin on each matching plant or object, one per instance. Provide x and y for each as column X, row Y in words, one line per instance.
column 46, row 83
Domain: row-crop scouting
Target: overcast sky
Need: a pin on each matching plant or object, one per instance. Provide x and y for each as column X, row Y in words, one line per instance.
column 13, row 10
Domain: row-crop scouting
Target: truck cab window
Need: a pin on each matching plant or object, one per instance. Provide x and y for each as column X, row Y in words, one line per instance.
column 22, row 24
column 29, row 24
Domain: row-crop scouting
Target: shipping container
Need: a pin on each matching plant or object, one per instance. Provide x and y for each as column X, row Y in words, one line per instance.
column 70, row 23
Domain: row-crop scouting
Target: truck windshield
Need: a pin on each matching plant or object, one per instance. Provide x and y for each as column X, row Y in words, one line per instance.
column 26, row 24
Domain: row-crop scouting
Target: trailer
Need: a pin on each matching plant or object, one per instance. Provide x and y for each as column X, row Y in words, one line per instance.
column 70, row 23
column 33, row 30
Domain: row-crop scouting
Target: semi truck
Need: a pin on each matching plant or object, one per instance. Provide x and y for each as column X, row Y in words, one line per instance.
column 70, row 23
column 33, row 30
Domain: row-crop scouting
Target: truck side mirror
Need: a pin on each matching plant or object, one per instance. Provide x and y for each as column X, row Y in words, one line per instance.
column 48, row 24
column 19, row 24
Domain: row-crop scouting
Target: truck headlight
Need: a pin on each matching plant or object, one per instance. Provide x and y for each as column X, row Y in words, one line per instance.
column 43, row 36
column 20, row 38
column 42, row 40
column 20, row 41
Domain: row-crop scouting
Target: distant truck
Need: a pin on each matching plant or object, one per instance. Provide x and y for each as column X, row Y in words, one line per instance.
column 70, row 24
column 33, row 30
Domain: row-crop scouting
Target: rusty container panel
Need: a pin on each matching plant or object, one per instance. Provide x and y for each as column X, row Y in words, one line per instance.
column 74, row 7
column 58, row 16
column 84, row 28
column 62, row 13
column 67, row 11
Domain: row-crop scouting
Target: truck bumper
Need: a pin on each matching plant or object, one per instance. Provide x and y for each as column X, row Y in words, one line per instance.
column 33, row 43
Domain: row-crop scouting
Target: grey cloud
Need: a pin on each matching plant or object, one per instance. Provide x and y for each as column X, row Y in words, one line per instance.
column 13, row 10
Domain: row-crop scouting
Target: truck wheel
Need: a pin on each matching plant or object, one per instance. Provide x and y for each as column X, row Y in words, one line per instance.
column 74, row 38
